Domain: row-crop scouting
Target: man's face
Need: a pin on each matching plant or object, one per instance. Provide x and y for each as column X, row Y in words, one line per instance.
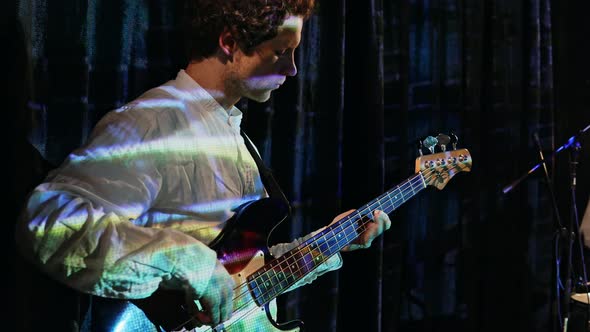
column 254, row 76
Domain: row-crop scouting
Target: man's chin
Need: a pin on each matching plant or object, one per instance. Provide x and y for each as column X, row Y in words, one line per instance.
column 260, row 97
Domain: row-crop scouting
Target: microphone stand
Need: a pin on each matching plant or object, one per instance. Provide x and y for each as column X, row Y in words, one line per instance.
column 568, row 234
column 573, row 231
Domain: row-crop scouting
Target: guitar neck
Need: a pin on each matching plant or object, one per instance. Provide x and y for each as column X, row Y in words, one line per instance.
column 278, row 275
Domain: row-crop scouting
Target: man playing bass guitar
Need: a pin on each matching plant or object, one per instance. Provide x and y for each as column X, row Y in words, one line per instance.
column 136, row 208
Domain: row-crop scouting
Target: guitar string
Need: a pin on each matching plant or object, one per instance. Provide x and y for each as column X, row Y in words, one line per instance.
column 351, row 222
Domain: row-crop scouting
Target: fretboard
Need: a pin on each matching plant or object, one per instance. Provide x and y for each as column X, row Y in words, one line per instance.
column 281, row 273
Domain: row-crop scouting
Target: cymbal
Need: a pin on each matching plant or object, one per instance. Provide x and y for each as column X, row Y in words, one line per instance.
column 581, row 297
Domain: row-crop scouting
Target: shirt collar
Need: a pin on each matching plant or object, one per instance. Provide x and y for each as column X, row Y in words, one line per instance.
column 197, row 94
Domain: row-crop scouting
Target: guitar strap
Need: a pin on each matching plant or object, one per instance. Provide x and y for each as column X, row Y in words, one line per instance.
column 268, row 180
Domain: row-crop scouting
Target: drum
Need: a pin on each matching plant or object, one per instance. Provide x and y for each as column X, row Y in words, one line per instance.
column 578, row 321
column 581, row 297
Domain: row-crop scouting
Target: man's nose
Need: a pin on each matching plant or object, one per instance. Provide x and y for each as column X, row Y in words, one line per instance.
column 289, row 68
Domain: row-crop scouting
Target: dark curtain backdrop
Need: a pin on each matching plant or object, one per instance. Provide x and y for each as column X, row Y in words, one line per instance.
column 374, row 76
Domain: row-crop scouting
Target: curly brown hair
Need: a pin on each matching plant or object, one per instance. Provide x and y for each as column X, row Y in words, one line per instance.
column 250, row 21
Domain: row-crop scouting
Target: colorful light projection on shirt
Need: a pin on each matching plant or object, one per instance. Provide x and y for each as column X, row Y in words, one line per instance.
column 113, row 257
column 157, row 149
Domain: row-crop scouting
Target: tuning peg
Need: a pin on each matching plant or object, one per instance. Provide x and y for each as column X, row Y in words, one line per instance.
column 443, row 140
column 454, row 140
column 419, row 147
column 429, row 143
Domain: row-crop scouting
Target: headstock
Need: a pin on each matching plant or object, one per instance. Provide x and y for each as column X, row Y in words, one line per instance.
column 438, row 169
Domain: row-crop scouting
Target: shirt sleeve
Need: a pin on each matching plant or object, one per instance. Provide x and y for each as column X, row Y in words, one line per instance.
column 77, row 226
column 333, row 263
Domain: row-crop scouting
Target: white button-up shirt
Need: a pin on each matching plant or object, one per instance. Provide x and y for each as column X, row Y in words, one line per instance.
column 137, row 205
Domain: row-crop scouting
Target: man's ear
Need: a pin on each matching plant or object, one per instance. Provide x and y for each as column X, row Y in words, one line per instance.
column 227, row 43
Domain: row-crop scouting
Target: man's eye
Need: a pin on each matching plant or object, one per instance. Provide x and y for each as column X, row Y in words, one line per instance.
column 280, row 52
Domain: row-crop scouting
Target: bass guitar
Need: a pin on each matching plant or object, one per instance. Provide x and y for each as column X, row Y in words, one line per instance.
column 260, row 278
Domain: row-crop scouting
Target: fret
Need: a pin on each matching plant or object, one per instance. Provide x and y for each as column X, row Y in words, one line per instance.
column 349, row 235
column 405, row 192
column 298, row 257
column 407, row 189
column 273, row 286
column 283, row 283
column 300, row 264
column 291, row 278
column 283, row 263
column 331, row 242
column 317, row 259
column 340, row 238
column 270, row 293
column 421, row 176
column 414, row 185
column 399, row 201
column 379, row 204
column 273, row 277
column 362, row 227
column 326, row 249
column 262, row 293
column 290, row 274
column 287, row 273
column 399, row 198
column 293, row 265
column 391, row 206
column 308, row 264
column 392, row 200
column 313, row 247
column 341, row 227
column 255, row 290
column 329, row 249
column 264, row 283
column 336, row 234
column 280, row 277
column 342, row 241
